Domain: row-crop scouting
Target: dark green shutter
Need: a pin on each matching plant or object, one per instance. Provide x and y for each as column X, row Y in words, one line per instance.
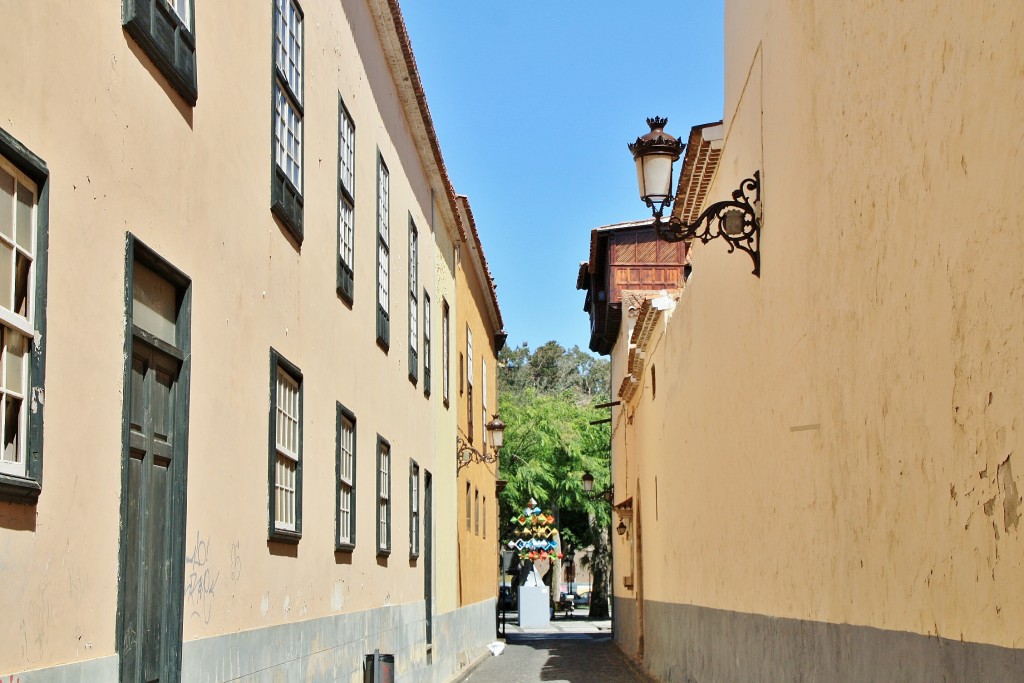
column 161, row 34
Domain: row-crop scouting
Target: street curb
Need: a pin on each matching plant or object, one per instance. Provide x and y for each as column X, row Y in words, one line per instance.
column 470, row 668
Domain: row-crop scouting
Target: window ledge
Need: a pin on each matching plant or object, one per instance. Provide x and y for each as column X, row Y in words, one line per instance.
column 383, row 552
column 285, row 536
column 15, row 489
column 344, row 547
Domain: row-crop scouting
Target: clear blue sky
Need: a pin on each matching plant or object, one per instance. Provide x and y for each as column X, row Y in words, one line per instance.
column 534, row 103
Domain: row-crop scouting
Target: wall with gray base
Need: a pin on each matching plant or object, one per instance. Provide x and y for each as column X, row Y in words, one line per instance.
column 624, row 626
column 690, row 644
column 89, row 671
column 461, row 637
column 324, row 650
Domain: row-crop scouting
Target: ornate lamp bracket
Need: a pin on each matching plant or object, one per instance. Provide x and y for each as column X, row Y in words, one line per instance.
column 737, row 221
column 467, row 454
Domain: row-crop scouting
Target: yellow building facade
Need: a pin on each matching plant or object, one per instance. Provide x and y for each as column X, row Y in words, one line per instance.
column 229, row 240
column 480, row 335
column 816, row 469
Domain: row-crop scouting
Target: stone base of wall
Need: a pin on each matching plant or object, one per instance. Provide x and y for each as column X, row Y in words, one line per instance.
column 461, row 637
column 690, row 644
column 624, row 626
column 319, row 650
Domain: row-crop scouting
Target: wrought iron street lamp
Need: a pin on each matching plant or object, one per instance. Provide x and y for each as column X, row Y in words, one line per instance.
column 737, row 221
column 467, row 454
column 588, row 489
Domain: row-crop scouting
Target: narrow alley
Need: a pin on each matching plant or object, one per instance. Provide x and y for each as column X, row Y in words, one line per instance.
column 567, row 651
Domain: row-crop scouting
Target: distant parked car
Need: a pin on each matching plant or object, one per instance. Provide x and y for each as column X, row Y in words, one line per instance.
column 582, row 599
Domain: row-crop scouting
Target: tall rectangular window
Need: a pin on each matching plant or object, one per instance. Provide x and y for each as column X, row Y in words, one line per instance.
column 24, row 198
column 286, row 185
column 346, row 468
column 383, row 255
column 476, row 512
column 426, row 343
column 469, row 381
column 383, row 496
column 483, row 403
column 414, row 306
column 346, row 202
column 469, row 509
column 446, row 351
column 17, row 301
column 414, row 509
column 286, row 453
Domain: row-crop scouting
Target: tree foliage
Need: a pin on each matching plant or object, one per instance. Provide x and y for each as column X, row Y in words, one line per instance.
column 547, row 400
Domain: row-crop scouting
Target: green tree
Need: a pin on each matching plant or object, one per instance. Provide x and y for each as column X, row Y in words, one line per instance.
column 547, row 401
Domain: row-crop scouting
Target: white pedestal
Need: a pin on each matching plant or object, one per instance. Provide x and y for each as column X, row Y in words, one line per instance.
column 534, row 610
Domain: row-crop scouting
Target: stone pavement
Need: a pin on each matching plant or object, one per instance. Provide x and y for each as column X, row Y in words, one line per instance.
column 573, row 650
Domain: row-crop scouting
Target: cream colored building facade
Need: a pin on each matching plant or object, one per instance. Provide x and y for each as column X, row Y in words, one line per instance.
column 817, row 468
column 229, row 236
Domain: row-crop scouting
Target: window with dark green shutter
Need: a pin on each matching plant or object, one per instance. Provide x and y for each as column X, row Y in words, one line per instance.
column 285, row 450
column 426, row 343
column 414, row 509
column 286, row 179
column 164, row 31
column 383, row 496
column 383, row 255
column 345, row 535
column 346, row 202
column 414, row 286
column 24, row 218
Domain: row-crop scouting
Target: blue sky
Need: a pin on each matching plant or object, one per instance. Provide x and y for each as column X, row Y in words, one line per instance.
column 534, row 103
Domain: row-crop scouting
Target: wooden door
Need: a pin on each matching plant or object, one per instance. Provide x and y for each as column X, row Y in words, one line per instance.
column 152, row 522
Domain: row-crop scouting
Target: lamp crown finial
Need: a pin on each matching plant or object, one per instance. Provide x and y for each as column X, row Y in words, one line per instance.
column 657, row 122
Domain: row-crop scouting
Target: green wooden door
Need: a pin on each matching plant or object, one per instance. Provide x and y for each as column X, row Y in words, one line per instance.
column 153, row 522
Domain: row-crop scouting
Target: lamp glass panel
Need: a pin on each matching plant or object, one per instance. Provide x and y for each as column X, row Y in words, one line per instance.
column 657, row 176
column 497, row 438
column 640, row 177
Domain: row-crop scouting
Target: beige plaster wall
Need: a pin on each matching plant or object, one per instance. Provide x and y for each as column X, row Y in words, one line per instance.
column 837, row 441
column 125, row 154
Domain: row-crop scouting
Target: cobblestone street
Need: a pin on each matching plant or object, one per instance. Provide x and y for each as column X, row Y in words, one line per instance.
column 569, row 651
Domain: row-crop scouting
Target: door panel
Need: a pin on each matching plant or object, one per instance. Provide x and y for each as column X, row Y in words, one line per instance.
column 150, row 634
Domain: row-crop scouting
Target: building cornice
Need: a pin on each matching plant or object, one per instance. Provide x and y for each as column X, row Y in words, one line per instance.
column 394, row 38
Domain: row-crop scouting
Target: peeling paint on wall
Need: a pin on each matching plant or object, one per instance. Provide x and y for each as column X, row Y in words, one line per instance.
column 1011, row 497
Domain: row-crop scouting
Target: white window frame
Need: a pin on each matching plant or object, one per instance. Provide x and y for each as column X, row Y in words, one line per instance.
column 426, row 342
column 446, row 341
column 288, row 114
column 384, row 497
column 483, row 402
column 383, row 238
column 414, row 509
column 413, row 288
column 287, row 441
column 346, row 479
column 182, row 8
column 347, row 187
column 17, row 329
